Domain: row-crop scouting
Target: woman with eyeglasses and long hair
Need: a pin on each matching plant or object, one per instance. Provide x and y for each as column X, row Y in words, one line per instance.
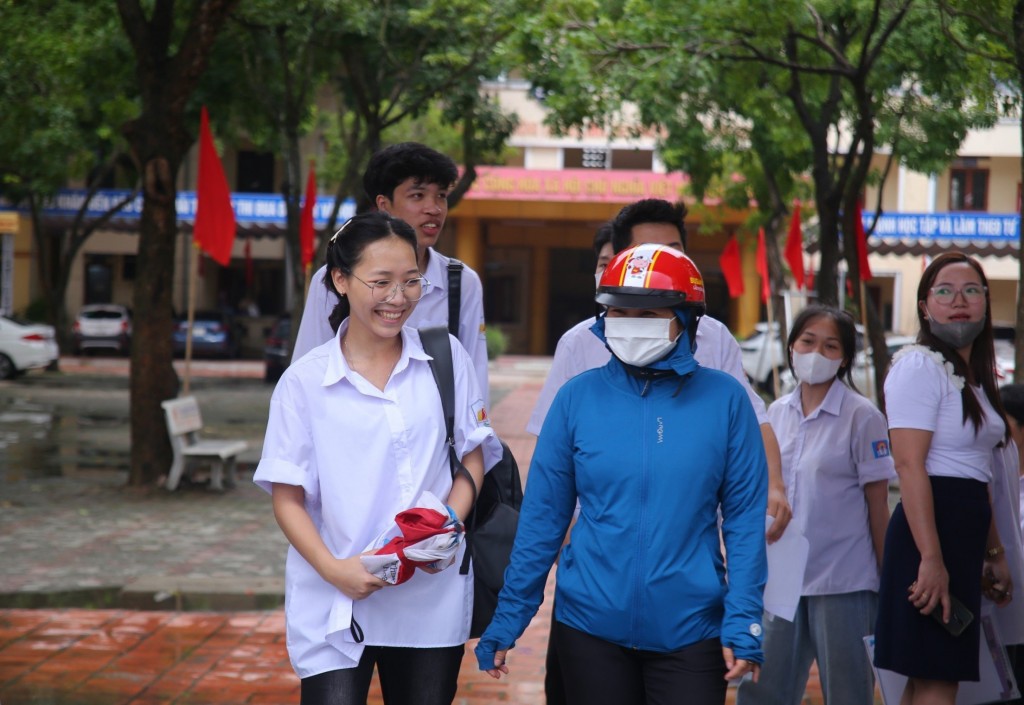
column 356, row 435
column 946, row 425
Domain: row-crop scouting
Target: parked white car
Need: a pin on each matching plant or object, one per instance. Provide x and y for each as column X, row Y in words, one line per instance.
column 103, row 327
column 25, row 346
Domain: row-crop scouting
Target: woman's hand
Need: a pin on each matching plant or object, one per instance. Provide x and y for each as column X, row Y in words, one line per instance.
column 739, row 667
column 931, row 589
column 351, row 577
column 997, row 585
column 499, row 664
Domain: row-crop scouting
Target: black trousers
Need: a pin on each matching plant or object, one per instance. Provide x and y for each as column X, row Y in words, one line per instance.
column 597, row 672
column 408, row 676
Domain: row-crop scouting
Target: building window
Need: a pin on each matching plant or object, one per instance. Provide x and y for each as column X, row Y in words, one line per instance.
column 587, row 158
column 968, row 189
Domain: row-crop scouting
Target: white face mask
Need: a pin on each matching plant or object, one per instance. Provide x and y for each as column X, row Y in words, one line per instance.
column 815, row 368
column 639, row 341
column 597, row 279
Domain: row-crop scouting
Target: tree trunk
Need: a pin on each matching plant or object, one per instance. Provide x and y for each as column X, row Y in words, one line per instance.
column 153, row 378
column 168, row 69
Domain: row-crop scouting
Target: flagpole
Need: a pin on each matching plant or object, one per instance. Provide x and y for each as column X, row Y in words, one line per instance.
column 193, row 266
column 868, row 349
column 771, row 342
column 309, row 272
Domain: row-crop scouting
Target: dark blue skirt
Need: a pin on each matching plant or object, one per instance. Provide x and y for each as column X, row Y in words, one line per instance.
column 907, row 641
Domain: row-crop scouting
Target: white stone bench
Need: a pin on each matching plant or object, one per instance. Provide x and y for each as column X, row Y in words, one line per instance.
column 183, row 425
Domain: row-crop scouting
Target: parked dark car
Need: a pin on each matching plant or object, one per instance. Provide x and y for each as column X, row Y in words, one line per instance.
column 277, row 353
column 214, row 334
column 102, row 327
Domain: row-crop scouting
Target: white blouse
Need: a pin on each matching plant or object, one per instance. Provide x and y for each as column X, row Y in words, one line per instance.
column 362, row 455
column 921, row 394
column 827, row 459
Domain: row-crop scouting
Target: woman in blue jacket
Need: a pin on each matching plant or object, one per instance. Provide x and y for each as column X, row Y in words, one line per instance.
column 652, row 446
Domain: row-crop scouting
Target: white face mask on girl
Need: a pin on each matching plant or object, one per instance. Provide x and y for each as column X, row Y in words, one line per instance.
column 815, row 368
column 639, row 341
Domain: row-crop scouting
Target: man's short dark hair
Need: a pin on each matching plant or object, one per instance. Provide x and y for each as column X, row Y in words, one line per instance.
column 392, row 165
column 1012, row 396
column 649, row 210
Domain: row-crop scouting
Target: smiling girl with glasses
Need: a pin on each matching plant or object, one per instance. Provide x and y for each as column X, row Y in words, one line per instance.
column 354, row 438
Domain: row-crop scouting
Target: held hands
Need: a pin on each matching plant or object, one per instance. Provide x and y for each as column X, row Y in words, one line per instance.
column 778, row 507
column 738, row 667
column 931, row 589
column 351, row 577
column 499, row 664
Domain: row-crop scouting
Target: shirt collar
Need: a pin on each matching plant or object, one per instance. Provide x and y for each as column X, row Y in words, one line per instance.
column 437, row 270
column 338, row 369
column 831, row 404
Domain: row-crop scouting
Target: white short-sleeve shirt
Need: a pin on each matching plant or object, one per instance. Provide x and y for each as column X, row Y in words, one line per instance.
column 363, row 455
column 432, row 310
column 827, row 459
column 579, row 350
column 920, row 394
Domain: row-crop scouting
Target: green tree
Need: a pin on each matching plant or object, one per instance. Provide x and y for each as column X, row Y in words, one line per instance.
column 64, row 75
column 397, row 60
column 852, row 77
column 171, row 45
column 990, row 34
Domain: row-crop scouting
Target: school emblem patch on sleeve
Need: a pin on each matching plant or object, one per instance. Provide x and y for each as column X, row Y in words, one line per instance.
column 480, row 411
column 880, row 448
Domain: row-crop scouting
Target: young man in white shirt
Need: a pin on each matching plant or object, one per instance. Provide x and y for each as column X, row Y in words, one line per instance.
column 411, row 181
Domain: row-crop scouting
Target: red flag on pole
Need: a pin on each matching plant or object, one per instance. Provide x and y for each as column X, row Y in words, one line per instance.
column 214, row 229
column 862, row 245
column 762, row 267
column 306, row 228
column 795, row 248
column 732, row 267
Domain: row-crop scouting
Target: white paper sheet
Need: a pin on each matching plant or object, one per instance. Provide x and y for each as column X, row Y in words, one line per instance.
column 787, row 560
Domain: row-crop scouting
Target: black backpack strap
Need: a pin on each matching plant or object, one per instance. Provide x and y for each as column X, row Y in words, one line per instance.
column 454, row 295
column 436, row 343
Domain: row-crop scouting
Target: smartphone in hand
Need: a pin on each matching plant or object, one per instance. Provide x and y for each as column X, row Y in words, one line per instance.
column 959, row 616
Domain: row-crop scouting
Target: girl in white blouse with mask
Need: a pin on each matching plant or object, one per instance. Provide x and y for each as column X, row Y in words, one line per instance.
column 836, row 468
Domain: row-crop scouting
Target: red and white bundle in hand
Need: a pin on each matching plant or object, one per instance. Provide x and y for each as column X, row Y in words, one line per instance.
column 428, row 536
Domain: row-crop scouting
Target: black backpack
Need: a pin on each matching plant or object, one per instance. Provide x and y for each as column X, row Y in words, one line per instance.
column 491, row 527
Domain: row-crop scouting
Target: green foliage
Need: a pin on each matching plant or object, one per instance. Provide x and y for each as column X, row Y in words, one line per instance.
column 497, row 343
column 61, row 64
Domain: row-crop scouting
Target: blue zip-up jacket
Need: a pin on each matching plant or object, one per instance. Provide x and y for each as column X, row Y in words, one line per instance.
column 644, row 568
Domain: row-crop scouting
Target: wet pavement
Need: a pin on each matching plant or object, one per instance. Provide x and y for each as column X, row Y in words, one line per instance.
column 112, row 595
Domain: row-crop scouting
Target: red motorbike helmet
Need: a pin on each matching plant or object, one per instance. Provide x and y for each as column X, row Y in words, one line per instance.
column 652, row 276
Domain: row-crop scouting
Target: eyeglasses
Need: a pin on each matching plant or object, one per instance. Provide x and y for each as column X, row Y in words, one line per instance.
column 945, row 294
column 384, row 290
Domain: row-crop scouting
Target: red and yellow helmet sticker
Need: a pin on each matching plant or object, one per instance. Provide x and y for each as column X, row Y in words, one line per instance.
column 639, row 267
